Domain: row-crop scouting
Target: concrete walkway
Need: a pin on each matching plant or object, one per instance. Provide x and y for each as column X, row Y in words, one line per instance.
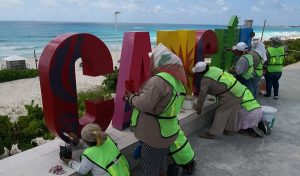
column 274, row 155
column 242, row 155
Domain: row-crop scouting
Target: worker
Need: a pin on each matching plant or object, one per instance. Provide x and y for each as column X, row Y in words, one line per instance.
column 273, row 66
column 243, row 69
column 228, row 91
column 250, row 116
column 101, row 155
column 154, row 118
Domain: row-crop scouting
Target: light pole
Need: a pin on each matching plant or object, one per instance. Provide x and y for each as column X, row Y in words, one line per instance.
column 116, row 25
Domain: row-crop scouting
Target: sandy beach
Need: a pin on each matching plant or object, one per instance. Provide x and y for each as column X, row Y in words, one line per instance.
column 15, row 94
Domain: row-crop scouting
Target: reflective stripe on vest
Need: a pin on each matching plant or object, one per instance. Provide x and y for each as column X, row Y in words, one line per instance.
column 168, row 122
column 108, row 157
column 181, row 150
column 276, row 59
column 232, row 84
column 249, row 102
column 249, row 73
column 258, row 70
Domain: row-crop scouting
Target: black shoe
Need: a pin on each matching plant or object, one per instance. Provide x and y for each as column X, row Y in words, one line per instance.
column 258, row 132
column 267, row 96
column 264, row 126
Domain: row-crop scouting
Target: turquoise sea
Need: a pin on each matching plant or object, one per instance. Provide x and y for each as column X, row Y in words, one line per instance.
column 21, row 38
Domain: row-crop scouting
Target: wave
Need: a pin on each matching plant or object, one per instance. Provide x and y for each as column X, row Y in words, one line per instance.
column 283, row 35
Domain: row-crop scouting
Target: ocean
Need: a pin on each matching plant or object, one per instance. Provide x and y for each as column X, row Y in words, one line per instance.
column 21, row 38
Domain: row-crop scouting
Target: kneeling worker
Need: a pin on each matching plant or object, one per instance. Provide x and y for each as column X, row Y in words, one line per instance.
column 229, row 93
column 101, row 156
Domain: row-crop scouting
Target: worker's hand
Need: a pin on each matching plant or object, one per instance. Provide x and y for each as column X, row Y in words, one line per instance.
column 65, row 160
column 127, row 95
column 74, row 138
column 232, row 71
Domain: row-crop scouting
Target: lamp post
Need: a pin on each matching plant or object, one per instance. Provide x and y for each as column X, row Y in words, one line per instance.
column 116, row 25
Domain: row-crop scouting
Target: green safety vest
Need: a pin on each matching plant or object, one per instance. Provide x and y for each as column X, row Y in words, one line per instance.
column 108, row 157
column 258, row 70
column 249, row 73
column 249, row 102
column 168, row 122
column 181, row 150
column 232, row 84
column 276, row 59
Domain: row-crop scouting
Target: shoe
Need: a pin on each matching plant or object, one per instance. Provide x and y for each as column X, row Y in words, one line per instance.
column 264, row 126
column 267, row 96
column 258, row 132
column 206, row 135
column 276, row 97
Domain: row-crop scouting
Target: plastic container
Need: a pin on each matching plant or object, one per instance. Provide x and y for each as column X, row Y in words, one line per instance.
column 248, row 23
column 188, row 103
column 65, row 150
column 269, row 115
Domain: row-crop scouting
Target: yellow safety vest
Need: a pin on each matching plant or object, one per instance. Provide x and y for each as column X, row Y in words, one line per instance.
column 108, row 157
column 276, row 59
column 168, row 122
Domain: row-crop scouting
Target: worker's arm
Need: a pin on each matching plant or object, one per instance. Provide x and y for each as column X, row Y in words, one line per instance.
column 205, row 84
column 241, row 66
column 85, row 166
column 153, row 91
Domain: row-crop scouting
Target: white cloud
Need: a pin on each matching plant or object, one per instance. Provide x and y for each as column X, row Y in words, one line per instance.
column 255, row 9
column 50, row 4
column 10, row 3
column 157, row 9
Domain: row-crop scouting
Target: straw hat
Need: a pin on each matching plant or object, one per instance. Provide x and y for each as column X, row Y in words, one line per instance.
column 92, row 133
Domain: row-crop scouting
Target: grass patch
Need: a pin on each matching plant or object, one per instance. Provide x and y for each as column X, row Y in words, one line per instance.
column 10, row 74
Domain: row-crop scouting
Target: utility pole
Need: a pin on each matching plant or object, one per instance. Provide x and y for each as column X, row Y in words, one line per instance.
column 35, row 58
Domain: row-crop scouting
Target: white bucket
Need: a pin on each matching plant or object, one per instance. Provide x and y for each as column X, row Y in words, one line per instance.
column 188, row 103
column 269, row 115
column 248, row 23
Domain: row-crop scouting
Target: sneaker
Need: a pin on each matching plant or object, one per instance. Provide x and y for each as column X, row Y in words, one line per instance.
column 276, row 97
column 264, row 126
column 267, row 96
column 258, row 132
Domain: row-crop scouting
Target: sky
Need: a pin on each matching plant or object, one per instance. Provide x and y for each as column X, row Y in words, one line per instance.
column 276, row 12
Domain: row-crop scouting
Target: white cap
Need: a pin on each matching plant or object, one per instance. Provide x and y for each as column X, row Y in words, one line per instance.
column 241, row 46
column 199, row 67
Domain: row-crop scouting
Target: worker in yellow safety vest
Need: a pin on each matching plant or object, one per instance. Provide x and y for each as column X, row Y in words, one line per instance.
column 243, row 69
column 229, row 92
column 273, row 66
column 101, row 155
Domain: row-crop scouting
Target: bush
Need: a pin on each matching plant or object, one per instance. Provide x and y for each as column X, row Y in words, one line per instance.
column 110, row 81
column 24, row 130
column 10, row 75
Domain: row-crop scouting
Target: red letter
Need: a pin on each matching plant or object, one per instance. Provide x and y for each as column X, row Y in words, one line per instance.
column 58, row 82
column 206, row 44
column 134, row 67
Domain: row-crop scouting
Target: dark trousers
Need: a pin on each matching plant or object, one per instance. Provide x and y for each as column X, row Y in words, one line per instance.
column 272, row 80
column 249, row 83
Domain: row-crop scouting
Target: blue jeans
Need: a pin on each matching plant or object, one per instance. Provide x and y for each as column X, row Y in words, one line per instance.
column 256, row 80
column 272, row 80
column 246, row 82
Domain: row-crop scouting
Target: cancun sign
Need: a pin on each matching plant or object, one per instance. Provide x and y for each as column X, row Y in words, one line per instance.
column 58, row 80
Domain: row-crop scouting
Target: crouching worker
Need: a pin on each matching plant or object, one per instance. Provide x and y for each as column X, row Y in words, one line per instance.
column 155, row 108
column 229, row 93
column 101, row 156
column 250, row 116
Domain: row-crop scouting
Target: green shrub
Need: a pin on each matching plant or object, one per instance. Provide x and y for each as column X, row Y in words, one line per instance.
column 6, row 133
column 110, row 81
column 10, row 74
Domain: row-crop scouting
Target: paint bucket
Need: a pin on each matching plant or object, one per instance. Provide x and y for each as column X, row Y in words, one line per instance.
column 269, row 115
column 65, row 150
column 248, row 23
column 188, row 102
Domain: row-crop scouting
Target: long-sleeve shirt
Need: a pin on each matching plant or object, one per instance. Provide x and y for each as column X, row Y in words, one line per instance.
column 86, row 165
